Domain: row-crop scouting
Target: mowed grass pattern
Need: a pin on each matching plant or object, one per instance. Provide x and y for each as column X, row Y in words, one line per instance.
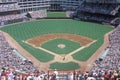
column 52, row 45
column 27, row 30
column 56, row 14
column 64, row 66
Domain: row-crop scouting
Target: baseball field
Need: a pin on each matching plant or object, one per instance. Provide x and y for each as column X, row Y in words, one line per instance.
column 59, row 43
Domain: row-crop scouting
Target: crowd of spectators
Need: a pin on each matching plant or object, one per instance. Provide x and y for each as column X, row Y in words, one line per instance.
column 11, row 65
column 9, row 7
column 115, row 22
column 38, row 14
column 95, row 18
column 97, row 12
column 12, row 18
column 102, row 8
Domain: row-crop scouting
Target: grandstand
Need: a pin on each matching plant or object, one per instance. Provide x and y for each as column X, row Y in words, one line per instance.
column 59, row 40
column 107, row 13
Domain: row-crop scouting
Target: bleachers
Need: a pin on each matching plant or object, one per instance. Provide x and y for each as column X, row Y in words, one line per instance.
column 12, row 18
column 38, row 14
column 9, row 59
column 12, row 64
column 97, row 12
column 15, row 17
column 9, row 6
column 115, row 22
column 102, row 8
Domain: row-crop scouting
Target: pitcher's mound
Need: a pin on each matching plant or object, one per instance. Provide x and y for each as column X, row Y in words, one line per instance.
column 61, row 46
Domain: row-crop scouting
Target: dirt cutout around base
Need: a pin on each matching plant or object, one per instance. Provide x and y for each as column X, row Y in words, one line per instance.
column 39, row 40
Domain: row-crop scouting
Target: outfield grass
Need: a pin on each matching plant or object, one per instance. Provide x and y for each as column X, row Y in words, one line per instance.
column 56, row 14
column 53, row 46
column 64, row 66
column 27, row 30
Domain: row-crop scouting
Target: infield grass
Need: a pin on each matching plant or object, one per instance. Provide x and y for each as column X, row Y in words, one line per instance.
column 68, row 46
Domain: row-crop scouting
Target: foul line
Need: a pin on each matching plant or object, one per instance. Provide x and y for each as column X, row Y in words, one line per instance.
column 50, row 52
column 75, row 51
